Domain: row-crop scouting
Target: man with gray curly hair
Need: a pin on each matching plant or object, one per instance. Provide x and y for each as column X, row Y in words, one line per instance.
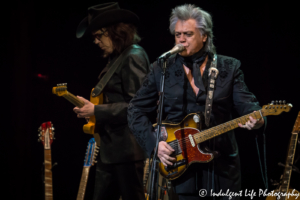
column 187, row 86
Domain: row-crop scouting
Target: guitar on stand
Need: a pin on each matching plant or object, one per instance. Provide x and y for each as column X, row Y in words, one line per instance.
column 89, row 161
column 46, row 136
column 146, row 176
column 89, row 128
column 284, row 187
column 187, row 137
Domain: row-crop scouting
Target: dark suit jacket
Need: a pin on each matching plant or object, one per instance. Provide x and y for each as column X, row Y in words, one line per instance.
column 180, row 100
column 118, row 145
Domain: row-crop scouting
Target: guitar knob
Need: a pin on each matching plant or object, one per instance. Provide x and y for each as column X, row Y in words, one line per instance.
column 196, row 118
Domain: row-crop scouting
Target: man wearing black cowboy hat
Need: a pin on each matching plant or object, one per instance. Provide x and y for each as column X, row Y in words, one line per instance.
column 120, row 167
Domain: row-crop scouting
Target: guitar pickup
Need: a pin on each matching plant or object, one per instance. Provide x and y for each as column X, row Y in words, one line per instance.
column 176, row 164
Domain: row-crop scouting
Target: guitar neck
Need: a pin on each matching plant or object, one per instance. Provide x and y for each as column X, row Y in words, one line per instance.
column 83, row 182
column 146, row 173
column 289, row 162
column 223, row 128
column 48, row 175
column 73, row 99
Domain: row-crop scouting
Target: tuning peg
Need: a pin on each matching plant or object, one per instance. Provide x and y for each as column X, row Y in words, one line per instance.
column 272, row 103
column 276, row 102
column 283, row 101
column 39, row 129
column 280, row 102
column 96, row 161
column 39, row 140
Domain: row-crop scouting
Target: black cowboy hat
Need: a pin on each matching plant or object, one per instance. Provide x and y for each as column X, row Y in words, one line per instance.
column 102, row 15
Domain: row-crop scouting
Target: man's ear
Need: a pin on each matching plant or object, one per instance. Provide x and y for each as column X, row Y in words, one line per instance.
column 204, row 38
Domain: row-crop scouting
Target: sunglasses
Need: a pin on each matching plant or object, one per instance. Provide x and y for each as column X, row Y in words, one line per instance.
column 98, row 35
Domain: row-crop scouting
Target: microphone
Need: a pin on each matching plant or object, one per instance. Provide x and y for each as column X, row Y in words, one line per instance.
column 176, row 49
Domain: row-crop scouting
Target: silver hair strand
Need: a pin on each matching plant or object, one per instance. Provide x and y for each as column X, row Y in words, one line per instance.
column 203, row 21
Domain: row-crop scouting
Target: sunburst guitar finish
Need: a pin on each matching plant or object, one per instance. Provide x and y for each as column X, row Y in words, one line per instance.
column 187, row 138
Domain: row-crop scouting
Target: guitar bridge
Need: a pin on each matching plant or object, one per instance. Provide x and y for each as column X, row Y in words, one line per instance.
column 176, row 164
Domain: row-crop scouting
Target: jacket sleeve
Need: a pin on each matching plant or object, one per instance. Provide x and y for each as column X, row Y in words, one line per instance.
column 244, row 101
column 134, row 69
column 141, row 111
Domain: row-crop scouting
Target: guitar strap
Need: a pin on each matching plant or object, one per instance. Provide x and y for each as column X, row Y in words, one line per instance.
column 102, row 83
column 212, row 76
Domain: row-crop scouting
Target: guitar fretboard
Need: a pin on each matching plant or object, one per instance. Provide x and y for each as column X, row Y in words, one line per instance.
column 48, row 175
column 83, row 182
column 73, row 99
column 288, row 165
column 223, row 128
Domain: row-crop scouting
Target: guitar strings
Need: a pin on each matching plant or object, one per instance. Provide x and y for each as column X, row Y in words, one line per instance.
column 220, row 128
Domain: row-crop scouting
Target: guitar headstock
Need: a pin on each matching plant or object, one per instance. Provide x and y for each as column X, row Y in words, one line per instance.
column 60, row 90
column 46, row 134
column 276, row 108
column 296, row 128
column 91, row 153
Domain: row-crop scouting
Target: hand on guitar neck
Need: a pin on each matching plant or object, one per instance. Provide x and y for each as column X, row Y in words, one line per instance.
column 86, row 111
column 252, row 123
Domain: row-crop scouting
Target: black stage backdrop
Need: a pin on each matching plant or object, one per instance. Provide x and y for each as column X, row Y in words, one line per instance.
column 41, row 50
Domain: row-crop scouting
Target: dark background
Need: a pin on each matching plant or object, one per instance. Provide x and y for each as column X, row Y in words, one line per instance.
column 39, row 38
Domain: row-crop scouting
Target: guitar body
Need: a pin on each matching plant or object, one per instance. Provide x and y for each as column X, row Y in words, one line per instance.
column 181, row 135
column 295, row 195
column 89, row 128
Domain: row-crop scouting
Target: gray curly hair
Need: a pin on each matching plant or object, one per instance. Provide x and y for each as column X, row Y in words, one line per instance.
column 203, row 21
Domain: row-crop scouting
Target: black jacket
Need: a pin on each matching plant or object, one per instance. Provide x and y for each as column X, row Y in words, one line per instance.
column 118, row 145
column 180, row 100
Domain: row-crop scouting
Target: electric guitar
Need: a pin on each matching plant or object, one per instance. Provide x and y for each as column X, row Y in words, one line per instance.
column 89, row 128
column 186, row 137
column 285, row 178
column 89, row 161
column 46, row 136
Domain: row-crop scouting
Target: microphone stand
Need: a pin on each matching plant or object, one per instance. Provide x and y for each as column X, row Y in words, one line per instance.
column 153, row 195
